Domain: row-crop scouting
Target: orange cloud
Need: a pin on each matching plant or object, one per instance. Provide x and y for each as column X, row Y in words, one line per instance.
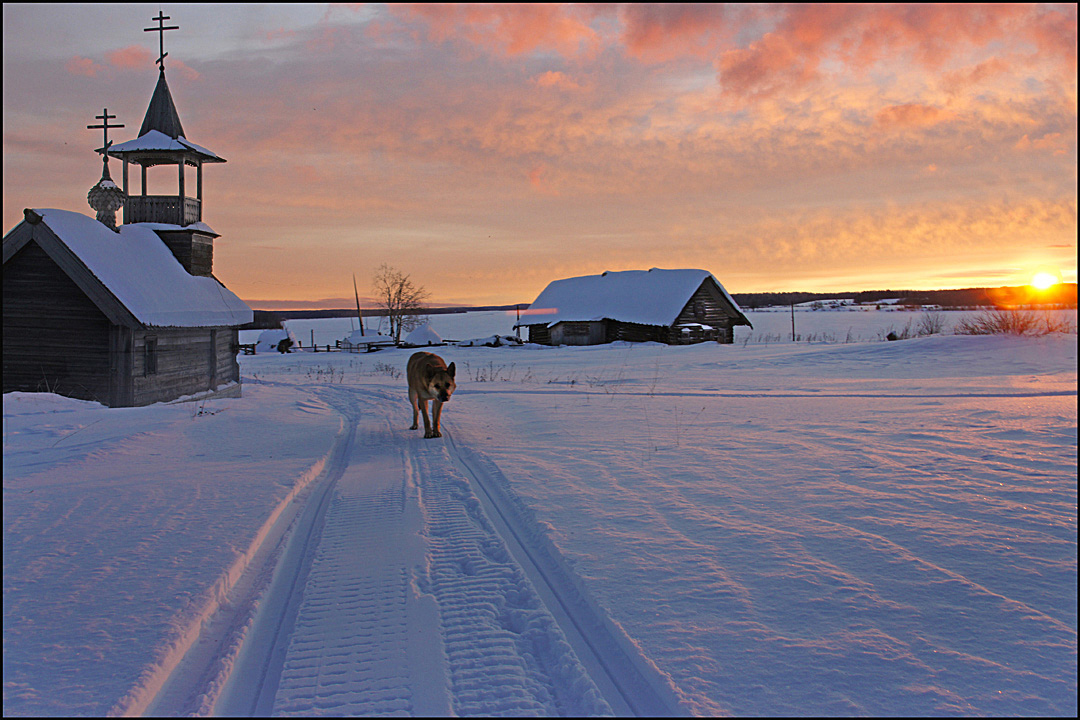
column 959, row 80
column 1053, row 142
column 910, row 115
column 540, row 179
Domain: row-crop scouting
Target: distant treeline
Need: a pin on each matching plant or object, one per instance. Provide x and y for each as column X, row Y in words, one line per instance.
column 266, row 319
column 1061, row 295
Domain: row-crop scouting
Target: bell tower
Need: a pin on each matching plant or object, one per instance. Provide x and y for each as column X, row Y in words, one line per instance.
column 161, row 141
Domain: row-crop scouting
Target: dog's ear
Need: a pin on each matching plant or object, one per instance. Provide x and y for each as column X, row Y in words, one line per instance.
column 451, row 370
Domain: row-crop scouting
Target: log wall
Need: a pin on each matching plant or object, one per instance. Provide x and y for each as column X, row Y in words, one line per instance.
column 708, row 307
column 189, row 361
column 55, row 339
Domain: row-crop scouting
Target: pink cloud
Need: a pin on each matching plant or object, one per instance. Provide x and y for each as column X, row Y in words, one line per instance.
column 132, row 57
column 279, row 34
column 804, row 36
column 83, row 66
column 766, row 67
column 959, row 80
column 1054, row 33
column 658, row 33
column 512, row 29
column 761, row 51
column 556, row 79
column 326, row 38
column 186, row 71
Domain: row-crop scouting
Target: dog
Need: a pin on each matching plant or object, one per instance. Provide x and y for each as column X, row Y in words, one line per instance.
column 429, row 379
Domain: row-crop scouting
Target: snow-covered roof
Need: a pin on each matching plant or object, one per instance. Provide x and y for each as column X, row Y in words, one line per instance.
column 269, row 339
column 200, row 226
column 135, row 265
column 646, row 297
column 423, row 335
column 155, row 140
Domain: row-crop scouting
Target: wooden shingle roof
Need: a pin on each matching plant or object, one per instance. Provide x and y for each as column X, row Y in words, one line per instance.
column 161, row 115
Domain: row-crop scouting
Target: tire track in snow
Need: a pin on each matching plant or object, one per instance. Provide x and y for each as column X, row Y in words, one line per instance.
column 201, row 666
column 252, row 681
column 414, row 605
column 366, row 639
column 630, row 682
column 398, row 595
column 505, row 653
column 348, row 648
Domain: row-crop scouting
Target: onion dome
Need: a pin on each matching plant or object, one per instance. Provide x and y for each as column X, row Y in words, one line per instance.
column 106, row 197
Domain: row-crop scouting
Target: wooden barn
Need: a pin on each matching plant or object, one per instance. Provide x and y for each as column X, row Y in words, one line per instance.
column 124, row 316
column 677, row 307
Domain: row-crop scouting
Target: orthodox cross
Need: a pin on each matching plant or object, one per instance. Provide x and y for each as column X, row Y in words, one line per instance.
column 104, row 117
column 160, row 29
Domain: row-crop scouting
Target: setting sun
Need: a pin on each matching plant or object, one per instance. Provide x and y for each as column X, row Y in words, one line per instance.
column 1044, row 280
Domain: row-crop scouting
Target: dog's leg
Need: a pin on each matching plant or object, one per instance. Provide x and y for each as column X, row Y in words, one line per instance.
column 427, row 420
column 436, row 411
column 415, row 410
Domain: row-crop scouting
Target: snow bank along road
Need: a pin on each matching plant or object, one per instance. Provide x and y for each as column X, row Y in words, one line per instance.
column 411, row 583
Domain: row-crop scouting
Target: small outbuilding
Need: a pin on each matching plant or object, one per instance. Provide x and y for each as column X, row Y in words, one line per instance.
column 276, row 340
column 112, row 316
column 677, row 307
column 127, row 315
column 423, row 336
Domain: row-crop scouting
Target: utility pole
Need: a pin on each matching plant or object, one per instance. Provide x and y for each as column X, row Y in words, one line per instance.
column 359, row 316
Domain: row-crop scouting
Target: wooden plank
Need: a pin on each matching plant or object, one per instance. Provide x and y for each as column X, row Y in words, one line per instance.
column 74, row 268
column 54, row 338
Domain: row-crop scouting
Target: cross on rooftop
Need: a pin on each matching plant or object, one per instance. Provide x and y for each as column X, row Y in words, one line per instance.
column 104, row 117
column 160, row 29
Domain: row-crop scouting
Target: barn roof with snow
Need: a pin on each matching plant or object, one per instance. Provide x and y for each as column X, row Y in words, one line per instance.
column 667, row 299
column 130, row 275
column 645, row 297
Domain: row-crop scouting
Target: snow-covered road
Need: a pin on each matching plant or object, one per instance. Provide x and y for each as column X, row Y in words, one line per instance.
column 411, row 584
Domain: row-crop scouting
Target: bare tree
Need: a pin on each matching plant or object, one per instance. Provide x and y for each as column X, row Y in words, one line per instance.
column 403, row 301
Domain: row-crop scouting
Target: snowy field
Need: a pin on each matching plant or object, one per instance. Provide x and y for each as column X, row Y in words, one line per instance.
column 763, row 528
column 770, row 325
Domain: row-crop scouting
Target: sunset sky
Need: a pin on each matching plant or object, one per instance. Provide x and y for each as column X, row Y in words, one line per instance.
column 487, row 150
